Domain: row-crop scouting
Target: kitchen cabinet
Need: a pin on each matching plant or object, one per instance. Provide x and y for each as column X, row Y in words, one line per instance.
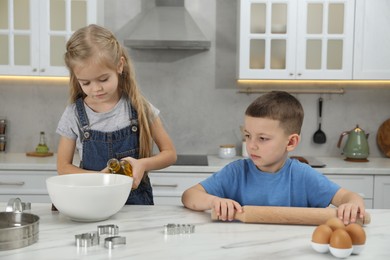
column 25, row 177
column 382, row 192
column 361, row 184
column 28, row 185
column 295, row 39
column 168, row 187
column 33, row 34
column 372, row 40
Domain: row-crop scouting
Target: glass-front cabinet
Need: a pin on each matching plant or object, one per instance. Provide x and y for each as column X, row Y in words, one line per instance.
column 295, row 39
column 33, row 34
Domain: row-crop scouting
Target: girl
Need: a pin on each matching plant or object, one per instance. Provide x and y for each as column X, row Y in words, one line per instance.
column 108, row 116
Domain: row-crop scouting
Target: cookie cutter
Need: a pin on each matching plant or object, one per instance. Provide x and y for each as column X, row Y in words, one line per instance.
column 175, row 229
column 110, row 230
column 111, row 242
column 16, row 205
column 87, row 239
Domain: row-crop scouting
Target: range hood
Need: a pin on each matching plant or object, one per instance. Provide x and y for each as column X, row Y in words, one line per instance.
column 168, row 25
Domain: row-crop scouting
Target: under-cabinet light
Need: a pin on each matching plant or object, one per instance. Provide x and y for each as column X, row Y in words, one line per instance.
column 35, row 78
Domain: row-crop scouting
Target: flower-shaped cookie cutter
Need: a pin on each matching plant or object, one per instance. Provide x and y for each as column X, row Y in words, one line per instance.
column 175, row 229
column 109, row 230
column 87, row 239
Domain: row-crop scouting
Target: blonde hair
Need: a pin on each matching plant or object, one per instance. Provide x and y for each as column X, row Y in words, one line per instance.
column 96, row 42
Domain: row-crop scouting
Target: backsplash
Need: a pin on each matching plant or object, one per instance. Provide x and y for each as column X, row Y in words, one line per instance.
column 195, row 92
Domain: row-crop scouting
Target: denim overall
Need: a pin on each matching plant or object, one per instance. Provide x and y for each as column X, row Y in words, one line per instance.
column 99, row 147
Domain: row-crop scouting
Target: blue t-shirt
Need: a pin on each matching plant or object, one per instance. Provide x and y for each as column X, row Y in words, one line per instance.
column 295, row 185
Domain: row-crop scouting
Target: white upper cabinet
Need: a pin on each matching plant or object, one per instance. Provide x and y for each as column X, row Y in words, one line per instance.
column 33, row 34
column 372, row 40
column 295, row 39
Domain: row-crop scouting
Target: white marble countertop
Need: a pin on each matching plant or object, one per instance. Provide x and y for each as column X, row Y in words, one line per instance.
column 143, row 227
column 334, row 165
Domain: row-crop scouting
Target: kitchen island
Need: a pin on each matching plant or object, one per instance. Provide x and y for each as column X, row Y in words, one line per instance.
column 143, row 227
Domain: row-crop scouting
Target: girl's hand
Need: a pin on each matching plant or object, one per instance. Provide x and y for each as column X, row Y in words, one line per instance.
column 350, row 212
column 138, row 170
column 225, row 208
column 105, row 170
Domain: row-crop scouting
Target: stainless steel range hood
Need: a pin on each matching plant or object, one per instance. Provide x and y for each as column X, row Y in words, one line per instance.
column 168, row 25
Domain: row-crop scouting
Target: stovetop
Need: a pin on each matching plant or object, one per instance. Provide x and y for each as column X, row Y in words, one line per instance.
column 191, row 159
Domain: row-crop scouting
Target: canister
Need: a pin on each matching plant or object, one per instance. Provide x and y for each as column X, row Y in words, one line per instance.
column 227, row 151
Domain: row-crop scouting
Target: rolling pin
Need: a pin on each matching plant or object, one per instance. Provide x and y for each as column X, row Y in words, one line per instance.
column 288, row 215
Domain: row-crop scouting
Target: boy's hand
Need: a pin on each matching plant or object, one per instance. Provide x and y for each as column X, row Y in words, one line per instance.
column 225, row 208
column 350, row 212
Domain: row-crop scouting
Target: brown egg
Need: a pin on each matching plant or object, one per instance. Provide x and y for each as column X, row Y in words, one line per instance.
column 322, row 234
column 357, row 234
column 335, row 223
column 340, row 239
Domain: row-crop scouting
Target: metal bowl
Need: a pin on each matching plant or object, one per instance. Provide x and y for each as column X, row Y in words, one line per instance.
column 18, row 229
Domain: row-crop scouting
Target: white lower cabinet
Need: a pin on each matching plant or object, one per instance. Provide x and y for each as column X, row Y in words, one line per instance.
column 382, row 192
column 29, row 186
column 361, row 184
column 168, row 187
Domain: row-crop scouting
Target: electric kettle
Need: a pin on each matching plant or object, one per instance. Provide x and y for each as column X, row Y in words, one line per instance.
column 356, row 148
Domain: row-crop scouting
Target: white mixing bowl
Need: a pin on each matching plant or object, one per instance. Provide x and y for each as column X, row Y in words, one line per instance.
column 89, row 197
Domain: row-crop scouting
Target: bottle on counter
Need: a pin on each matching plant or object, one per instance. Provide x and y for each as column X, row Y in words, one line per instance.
column 3, row 142
column 3, row 125
column 42, row 147
column 120, row 167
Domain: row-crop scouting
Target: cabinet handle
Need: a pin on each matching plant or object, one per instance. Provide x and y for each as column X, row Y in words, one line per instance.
column 299, row 74
column 18, row 183
column 291, row 74
column 42, row 70
column 34, row 70
column 165, row 185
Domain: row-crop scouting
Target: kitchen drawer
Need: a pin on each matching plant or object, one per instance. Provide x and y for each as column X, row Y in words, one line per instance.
column 161, row 200
column 361, row 184
column 168, row 185
column 25, row 182
column 26, row 198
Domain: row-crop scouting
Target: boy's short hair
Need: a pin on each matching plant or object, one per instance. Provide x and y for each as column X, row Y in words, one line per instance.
column 281, row 106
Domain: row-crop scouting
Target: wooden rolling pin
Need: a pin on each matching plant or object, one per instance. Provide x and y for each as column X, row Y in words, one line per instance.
column 288, row 215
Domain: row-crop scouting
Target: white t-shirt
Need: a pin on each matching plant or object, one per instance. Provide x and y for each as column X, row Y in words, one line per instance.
column 110, row 121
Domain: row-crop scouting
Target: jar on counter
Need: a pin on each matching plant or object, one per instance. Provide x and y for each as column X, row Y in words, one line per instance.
column 227, row 151
column 3, row 142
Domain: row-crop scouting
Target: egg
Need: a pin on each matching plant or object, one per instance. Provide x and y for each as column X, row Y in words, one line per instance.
column 358, row 237
column 321, row 234
column 357, row 234
column 335, row 223
column 320, row 238
column 340, row 239
column 340, row 244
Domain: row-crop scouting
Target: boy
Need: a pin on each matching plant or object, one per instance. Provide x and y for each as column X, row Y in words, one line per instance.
column 269, row 177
